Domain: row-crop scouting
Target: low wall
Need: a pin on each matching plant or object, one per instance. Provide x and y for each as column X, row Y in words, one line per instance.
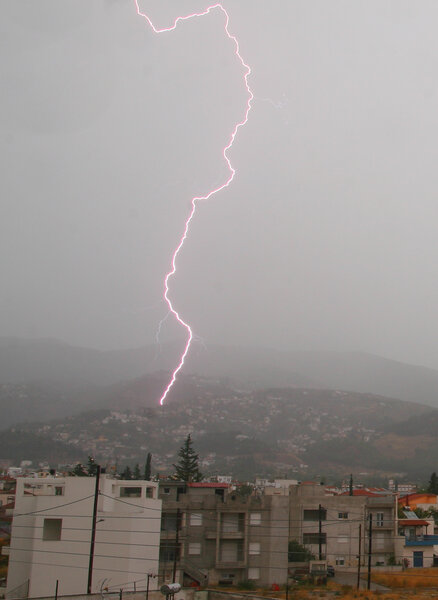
column 184, row 594
column 364, row 569
column 219, row 595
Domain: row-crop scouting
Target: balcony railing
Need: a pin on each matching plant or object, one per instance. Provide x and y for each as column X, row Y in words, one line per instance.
column 421, row 540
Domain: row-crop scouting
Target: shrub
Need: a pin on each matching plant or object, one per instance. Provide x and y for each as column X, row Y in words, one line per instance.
column 298, row 553
column 246, row 584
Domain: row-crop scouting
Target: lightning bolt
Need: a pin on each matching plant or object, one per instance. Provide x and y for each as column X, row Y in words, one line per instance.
column 196, row 199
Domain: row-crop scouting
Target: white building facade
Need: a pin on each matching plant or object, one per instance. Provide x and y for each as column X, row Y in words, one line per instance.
column 52, row 529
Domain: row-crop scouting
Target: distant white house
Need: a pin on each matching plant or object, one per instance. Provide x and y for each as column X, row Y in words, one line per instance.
column 51, row 535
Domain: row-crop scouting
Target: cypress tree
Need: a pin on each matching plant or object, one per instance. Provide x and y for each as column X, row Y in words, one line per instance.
column 433, row 484
column 148, row 467
column 187, row 469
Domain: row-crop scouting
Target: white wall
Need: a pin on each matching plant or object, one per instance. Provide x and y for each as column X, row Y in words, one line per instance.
column 127, row 537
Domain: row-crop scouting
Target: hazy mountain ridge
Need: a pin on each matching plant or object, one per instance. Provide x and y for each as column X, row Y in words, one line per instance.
column 295, row 432
column 23, row 361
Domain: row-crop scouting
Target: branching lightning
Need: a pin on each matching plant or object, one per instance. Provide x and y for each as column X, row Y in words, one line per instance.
column 196, row 199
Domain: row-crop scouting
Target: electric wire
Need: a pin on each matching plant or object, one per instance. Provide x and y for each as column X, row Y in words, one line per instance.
column 169, row 543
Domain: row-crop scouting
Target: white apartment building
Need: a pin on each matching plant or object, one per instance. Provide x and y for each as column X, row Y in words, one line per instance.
column 52, row 528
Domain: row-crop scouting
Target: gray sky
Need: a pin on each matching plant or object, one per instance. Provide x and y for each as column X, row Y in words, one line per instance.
column 325, row 240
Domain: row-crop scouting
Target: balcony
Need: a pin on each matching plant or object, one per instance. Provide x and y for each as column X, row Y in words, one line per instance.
column 422, row 540
column 380, row 501
column 232, row 535
column 210, row 534
column 235, row 564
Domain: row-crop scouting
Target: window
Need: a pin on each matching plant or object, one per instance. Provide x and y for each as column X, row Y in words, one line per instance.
column 179, row 491
column 379, row 519
column 169, row 552
column 233, row 522
column 195, row 548
column 340, row 560
column 150, row 492
column 168, row 522
column 166, row 490
column 253, row 573
column 52, row 529
column 254, row 548
column 255, row 519
column 342, row 515
column 231, row 551
column 130, row 492
column 313, row 538
column 342, row 539
column 59, row 490
column 314, row 514
column 221, row 494
column 195, row 519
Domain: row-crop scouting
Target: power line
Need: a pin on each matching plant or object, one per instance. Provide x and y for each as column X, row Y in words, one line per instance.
column 27, row 562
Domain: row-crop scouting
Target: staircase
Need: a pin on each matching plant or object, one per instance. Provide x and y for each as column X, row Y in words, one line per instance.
column 193, row 571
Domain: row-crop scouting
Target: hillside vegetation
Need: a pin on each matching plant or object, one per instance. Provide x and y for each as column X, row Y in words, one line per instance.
column 291, row 432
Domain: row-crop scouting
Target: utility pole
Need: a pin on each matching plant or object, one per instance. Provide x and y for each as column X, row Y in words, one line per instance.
column 93, row 530
column 176, row 545
column 359, row 556
column 320, row 532
column 288, row 538
column 148, row 576
column 370, row 547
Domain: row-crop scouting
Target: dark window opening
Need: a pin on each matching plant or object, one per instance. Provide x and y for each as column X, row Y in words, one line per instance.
column 169, row 552
column 130, row 492
column 52, row 529
column 314, row 538
column 315, row 514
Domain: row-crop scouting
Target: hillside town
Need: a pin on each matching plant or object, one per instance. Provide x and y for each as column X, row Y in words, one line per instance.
column 296, row 433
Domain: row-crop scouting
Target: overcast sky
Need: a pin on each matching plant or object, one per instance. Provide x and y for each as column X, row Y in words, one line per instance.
column 327, row 238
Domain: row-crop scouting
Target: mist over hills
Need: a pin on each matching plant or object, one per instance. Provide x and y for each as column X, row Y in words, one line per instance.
column 74, row 368
column 252, row 411
column 294, row 432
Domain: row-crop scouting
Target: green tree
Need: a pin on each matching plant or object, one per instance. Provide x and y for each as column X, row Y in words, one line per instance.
column 148, row 467
column 136, row 474
column 79, row 471
column 433, row 513
column 244, row 490
column 421, row 513
column 298, row 553
column 126, row 473
column 91, row 467
column 187, row 469
column 432, row 486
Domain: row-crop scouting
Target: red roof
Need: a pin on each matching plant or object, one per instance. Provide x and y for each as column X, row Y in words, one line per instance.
column 209, row 485
column 360, row 493
column 413, row 522
column 416, row 496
